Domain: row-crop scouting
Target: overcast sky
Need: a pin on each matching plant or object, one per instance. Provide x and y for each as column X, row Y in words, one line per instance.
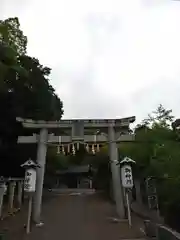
column 109, row 58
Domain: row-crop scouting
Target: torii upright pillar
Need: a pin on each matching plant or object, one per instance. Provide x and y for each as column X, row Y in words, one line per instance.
column 115, row 170
column 41, row 160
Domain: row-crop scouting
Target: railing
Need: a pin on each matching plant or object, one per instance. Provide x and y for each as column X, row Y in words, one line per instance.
column 11, row 196
column 160, row 232
column 164, row 233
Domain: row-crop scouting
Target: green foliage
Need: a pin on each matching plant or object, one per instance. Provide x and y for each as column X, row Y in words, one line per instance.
column 156, row 152
column 34, row 90
column 24, row 78
column 99, row 159
column 100, row 162
column 55, row 161
column 160, row 117
column 12, row 36
column 78, row 158
column 25, row 90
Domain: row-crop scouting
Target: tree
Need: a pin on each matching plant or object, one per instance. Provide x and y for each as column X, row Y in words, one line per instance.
column 25, row 91
column 55, row 161
column 12, row 36
column 24, row 78
column 39, row 97
column 160, row 117
column 156, row 152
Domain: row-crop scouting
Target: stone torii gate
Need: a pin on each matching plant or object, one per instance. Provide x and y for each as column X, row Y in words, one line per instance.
column 87, row 131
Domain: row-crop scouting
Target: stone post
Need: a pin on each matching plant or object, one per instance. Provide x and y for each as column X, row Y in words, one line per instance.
column 115, row 169
column 12, row 185
column 90, row 184
column 2, row 193
column 41, row 160
column 138, row 191
column 19, row 196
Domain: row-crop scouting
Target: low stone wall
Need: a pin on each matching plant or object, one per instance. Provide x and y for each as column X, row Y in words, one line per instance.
column 143, row 212
column 164, row 233
column 160, row 232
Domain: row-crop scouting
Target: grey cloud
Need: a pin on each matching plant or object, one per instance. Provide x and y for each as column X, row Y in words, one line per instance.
column 165, row 91
column 108, row 21
column 154, row 3
column 102, row 28
column 85, row 100
column 76, row 83
column 12, row 8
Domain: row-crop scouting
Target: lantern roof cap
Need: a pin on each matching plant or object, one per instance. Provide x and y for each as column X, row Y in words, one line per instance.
column 127, row 160
column 30, row 164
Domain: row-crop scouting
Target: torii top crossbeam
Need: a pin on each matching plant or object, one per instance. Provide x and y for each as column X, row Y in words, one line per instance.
column 67, row 123
column 78, row 129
